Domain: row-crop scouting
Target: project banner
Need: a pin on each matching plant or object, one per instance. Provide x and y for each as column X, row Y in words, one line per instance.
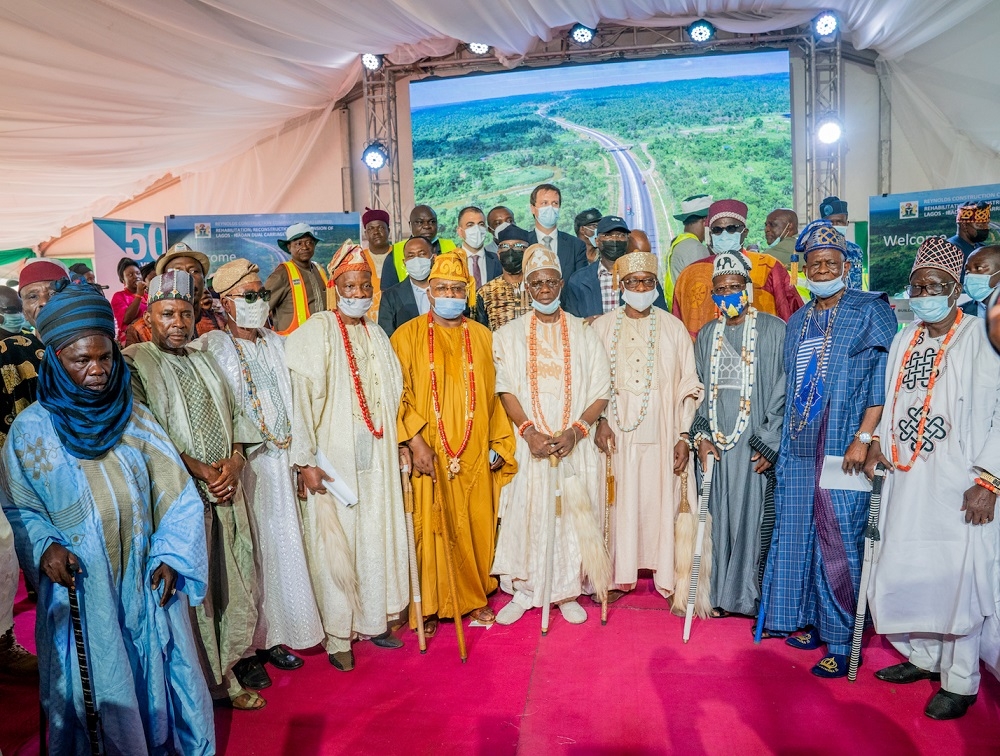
column 899, row 223
column 114, row 239
column 255, row 237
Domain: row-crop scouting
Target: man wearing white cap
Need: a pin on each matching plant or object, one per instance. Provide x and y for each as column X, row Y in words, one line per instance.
column 298, row 286
column 689, row 245
column 554, row 380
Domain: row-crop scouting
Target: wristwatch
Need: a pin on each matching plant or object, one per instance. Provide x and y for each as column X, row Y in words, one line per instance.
column 865, row 438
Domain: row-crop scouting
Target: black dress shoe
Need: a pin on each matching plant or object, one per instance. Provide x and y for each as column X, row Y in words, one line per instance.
column 947, row 705
column 251, row 674
column 281, row 658
column 342, row 660
column 387, row 640
column 904, row 673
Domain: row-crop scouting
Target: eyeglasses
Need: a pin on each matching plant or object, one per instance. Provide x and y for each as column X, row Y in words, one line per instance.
column 731, row 289
column 640, row 284
column 252, row 296
column 504, row 247
column 545, row 283
column 933, row 290
column 456, row 291
column 736, row 228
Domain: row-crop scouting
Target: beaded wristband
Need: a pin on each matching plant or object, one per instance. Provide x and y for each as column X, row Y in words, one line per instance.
column 990, row 478
column 524, row 426
column 582, row 428
column 988, row 486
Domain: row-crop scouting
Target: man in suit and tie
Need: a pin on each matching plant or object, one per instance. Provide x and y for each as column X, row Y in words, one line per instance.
column 483, row 264
column 408, row 299
column 592, row 291
column 572, row 253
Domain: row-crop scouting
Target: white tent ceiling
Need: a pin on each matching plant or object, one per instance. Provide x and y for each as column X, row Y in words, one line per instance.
column 100, row 98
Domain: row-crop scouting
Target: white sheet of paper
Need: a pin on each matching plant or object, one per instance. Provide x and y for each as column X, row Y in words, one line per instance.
column 833, row 477
column 337, row 487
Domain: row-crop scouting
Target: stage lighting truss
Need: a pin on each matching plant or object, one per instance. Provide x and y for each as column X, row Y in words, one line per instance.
column 375, row 156
column 582, row 35
column 825, row 25
column 371, row 61
column 701, row 31
column 478, row 48
column 829, row 130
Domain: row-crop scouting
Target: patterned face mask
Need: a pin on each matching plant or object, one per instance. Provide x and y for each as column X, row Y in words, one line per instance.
column 731, row 305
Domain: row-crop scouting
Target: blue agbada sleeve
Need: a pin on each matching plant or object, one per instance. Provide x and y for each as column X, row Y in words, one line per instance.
column 875, row 339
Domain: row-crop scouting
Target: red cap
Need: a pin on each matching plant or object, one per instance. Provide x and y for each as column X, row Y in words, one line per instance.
column 40, row 269
column 374, row 215
column 727, row 208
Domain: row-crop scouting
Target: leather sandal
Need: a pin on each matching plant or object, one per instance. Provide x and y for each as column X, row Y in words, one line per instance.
column 483, row 614
column 247, row 700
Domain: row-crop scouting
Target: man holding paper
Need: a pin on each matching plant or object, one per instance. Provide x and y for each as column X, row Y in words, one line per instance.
column 346, row 388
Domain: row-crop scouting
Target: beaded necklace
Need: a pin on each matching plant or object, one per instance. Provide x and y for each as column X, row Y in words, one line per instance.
column 650, row 357
column 803, row 420
column 359, row 390
column 567, row 384
column 454, row 464
column 280, row 443
column 748, row 372
column 926, row 408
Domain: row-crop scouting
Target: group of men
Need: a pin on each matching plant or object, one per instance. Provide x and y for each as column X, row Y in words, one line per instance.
column 219, row 497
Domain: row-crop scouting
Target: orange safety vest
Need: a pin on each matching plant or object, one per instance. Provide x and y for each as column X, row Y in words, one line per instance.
column 300, row 297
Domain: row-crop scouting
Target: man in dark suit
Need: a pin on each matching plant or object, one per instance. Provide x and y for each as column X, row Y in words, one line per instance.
column 591, row 292
column 408, row 299
column 572, row 253
column 982, row 276
column 483, row 265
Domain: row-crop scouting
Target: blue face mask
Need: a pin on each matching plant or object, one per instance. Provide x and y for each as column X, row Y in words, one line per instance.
column 13, row 322
column 931, row 309
column 727, row 242
column 825, row 289
column 977, row 286
column 731, row 305
column 548, row 216
column 449, row 308
column 546, row 309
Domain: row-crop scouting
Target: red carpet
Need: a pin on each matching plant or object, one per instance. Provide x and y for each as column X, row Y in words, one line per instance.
column 631, row 687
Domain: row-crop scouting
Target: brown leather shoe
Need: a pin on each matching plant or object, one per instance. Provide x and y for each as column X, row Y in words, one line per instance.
column 15, row 659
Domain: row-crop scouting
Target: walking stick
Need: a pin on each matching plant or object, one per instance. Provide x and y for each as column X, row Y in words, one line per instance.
column 871, row 537
column 93, row 717
column 706, row 489
column 411, row 545
column 609, row 501
column 449, row 563
column 550, row 543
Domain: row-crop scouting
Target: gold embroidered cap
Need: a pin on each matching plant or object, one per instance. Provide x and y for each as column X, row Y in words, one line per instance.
column 453, row 266
column 232, row 273
column 540, row 257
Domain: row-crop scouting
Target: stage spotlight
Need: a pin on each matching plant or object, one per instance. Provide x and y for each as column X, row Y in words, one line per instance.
column 478, row 48
column 375, row 156
column 825, row 24
column 701, row 31
column 582, row 35
column 829, row 130
column 371, row 61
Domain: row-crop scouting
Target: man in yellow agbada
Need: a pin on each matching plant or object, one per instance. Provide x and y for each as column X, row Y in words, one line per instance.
column 460, row 440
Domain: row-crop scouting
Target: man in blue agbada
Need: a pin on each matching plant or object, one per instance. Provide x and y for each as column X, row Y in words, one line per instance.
column 90, row 482
column 835, row 355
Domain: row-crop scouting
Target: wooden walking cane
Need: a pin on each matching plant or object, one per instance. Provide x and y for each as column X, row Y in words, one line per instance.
column 449, row 563
column 871, row 537
column 550, row 542
column 706, row 489
column 411, row 545
column 93, row 717
column 609, row 501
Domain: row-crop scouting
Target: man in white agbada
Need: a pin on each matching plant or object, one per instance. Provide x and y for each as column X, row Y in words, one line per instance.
column 252, row 360
column 654, row 394
column 553, row 379
column 346, row 389
column 935, row 588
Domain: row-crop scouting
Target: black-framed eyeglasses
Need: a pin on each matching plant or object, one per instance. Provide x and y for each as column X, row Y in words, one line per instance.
column 932, row 289
column 640, row 284
column 735, row 228
column 507, row 246
column 252, row 296
column 731, row 289
column 546, row 283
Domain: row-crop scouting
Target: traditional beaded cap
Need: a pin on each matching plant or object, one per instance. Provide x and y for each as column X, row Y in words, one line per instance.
column 727, row 208
column 350, row 257
column 938, row 252
column 174, row 284
column 820, row 234
column 540, row 257
column 635, row 262
column 971, row 212
column 452, row 266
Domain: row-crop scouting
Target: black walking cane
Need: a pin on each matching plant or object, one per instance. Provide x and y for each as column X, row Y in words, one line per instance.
column 93, row 717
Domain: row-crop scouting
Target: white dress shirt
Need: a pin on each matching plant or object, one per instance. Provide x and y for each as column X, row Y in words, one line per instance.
column 419, row 294
column 554, row 246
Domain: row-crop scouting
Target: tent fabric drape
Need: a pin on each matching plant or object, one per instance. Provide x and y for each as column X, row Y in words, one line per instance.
column 103, row 97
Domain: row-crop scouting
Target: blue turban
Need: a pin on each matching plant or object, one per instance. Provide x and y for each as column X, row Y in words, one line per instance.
column 89, row 423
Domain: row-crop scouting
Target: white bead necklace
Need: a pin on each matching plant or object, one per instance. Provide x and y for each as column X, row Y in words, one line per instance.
column 650, row 359
column 720, row 439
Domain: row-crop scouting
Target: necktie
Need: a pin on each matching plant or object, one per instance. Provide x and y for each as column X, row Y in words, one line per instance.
column 547, row 241
column 474, row 264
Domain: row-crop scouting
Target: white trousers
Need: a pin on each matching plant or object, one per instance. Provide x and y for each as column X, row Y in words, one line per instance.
column 8, row 575
column 956, row 657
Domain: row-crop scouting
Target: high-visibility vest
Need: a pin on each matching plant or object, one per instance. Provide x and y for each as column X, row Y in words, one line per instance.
column 447, row 245
column 300, row 296
column 668, row 278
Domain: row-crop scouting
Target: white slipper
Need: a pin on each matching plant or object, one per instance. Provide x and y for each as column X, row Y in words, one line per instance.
column 510, row 614
column 572, row 612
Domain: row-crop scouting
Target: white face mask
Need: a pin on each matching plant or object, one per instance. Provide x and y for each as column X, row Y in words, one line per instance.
column 548, row 216
column 354, row 308
column 418, row 268
column 546, row 309
column 250, row 315
column 640, row 300
column 842, row 230
column 475, row 236
column 727, row 242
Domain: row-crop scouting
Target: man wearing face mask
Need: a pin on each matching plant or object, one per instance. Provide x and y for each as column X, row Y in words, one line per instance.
column 545, row 203
column 505, row 298
column 654, row 393
column 585, row 224
column 460, row 440
column 553, row 379
column 973, row 221
column 408, row 299
column 13, row 321
column 593, row 291
column 835, row 355
column 484, row 265
column 940, row 436
column 982, row 274
column 773, row 291
column 346, row 387
column 423, row 222
column 781, row 229
column 251, row 358
column 834, row 209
